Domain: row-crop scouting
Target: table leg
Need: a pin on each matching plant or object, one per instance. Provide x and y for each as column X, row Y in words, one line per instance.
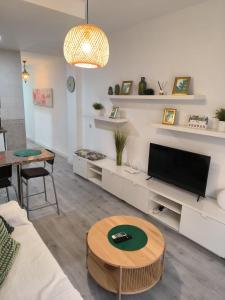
column 120, row 284
column 19, row 185
column 4, row 137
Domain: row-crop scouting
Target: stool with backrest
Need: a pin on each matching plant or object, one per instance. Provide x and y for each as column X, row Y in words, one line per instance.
column 6, row 179
column 37, row 172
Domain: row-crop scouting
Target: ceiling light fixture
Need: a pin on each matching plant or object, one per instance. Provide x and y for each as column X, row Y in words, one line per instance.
column 86, row 46
column 25, row 74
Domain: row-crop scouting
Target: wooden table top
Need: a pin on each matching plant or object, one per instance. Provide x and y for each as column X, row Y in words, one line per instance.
column 8, row 158
column 99, row 244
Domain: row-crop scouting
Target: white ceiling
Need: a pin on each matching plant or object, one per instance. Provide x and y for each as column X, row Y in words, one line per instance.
column 30, row 27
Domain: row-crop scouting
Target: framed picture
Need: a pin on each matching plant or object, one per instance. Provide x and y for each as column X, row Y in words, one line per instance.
column 181, row 85
column 126, row 87
column 114, row 112
column 43, row 97
column 169, row 116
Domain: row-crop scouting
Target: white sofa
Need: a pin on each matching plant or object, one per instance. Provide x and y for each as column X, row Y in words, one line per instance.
column 35, row 274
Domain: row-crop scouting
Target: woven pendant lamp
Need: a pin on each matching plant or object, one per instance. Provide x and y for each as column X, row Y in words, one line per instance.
column 86, row 46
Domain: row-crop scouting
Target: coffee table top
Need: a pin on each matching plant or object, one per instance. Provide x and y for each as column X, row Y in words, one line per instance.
column 99, row 244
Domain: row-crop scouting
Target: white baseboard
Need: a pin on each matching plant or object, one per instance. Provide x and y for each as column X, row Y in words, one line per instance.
column 65, row 155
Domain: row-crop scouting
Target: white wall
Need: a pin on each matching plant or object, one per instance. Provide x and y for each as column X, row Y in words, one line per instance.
column 47, row 126
column 74, row 112
column 11, row 96
column 187, row 42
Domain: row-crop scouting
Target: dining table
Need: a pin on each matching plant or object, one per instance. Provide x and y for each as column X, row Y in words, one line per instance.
column 9, row 157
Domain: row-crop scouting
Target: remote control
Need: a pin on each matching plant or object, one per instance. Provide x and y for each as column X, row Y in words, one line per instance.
column 121, row 237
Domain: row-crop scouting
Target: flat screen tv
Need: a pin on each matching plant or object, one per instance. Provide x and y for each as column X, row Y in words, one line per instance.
column 184, row 169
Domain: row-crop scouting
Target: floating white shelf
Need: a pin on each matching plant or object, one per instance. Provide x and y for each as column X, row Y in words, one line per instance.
column 159, row 97
column 110, row 120
column 186, row 129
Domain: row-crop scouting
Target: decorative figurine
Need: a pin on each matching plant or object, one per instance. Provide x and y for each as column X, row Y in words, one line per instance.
column 149, row 92
column 110, row 91
column 117, row 89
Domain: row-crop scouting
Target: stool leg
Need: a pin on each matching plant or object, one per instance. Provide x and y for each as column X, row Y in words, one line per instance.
column 45, row 189
column 7, row 192
column 56, row 199
column 15, row 192
column 27, row 196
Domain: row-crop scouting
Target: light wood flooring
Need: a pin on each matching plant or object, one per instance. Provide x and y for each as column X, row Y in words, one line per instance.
column 191, row 272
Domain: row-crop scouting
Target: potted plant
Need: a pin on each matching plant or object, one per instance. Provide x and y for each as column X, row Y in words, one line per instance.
column 98, row 107
column 220, row 115
column 120, row 138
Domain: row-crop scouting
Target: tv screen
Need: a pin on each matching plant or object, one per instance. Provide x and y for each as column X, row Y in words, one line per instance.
column 182, row 168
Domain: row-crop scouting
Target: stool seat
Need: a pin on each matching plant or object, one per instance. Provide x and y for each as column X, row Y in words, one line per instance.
column 5, row 182
column 34, row 173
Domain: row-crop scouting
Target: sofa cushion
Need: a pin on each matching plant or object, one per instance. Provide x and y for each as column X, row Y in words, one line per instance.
column 13, row 214
column 8, row 251
column 7, row 225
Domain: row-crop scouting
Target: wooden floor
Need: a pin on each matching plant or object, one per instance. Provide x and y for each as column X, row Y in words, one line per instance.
column 191, row 272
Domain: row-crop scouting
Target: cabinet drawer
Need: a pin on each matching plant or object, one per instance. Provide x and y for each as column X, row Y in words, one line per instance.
column 111, row 183
column 80, row 166
column 203, row 230
column 135, row 195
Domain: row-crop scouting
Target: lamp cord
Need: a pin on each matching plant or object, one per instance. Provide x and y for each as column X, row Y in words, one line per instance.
column 87, row 12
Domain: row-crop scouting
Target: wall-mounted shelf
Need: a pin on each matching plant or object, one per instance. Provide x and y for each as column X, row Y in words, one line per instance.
column 110, row 120
column 185, row 129
column 159, row 97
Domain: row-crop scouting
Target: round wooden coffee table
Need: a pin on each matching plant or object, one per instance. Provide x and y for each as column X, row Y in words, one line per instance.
column 125, row 272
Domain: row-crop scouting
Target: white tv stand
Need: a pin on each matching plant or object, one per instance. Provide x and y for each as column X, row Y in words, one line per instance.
column 202, row 222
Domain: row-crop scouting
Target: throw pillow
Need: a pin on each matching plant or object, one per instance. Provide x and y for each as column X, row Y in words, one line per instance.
column 8, row 251
column 8, row 227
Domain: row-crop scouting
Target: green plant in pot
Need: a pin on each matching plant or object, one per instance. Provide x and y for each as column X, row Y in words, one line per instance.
column 120, row 138
column 220, row 115
column 98, row 107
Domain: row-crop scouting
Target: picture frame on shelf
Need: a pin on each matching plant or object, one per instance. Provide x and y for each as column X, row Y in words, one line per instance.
column 169, row 116
column 126, row 87
column 114, row 113
column 181, row 85
column 198, row 122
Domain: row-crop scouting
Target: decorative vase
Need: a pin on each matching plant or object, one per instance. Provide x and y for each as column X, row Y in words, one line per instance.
column 142, row 86
column 221, row 199
column 117, row 89
column 110, row 91
column 97, row 112
column 119, row 156
column 221, row 126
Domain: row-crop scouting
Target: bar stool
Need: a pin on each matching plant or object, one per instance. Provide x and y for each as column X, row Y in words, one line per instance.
column 6, row 180
column 30, row 173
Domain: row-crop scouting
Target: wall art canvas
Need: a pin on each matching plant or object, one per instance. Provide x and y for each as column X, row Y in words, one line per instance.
column 43, row 97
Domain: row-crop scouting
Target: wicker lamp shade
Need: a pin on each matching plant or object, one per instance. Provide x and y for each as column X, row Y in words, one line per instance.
column 86, row 46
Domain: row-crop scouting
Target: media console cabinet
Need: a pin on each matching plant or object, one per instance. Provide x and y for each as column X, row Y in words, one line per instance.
column 202, row 222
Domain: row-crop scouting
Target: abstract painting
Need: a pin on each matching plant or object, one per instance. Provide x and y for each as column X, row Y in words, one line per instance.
column 43, row 97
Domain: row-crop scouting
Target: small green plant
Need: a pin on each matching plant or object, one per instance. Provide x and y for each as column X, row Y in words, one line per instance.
column 97, row 106
column 220, row 114
column 120, row 138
